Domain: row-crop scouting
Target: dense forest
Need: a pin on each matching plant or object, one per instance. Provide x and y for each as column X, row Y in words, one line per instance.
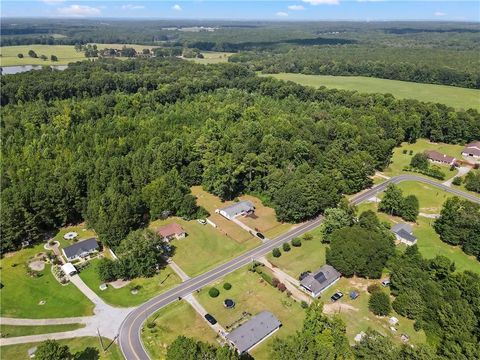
column 117, row 143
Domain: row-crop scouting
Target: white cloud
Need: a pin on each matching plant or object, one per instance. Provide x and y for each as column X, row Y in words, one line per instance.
column 79, row 10
column 296, row 7
column 53, row 2
column 322, row 2
column 282, row 14
column 439, row 13
column 370, row 0
column 177, row 7
column 132, row 7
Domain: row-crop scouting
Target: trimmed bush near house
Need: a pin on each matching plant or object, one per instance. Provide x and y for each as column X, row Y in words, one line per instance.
column 276, row 252
column 213, row 292
column 227, row 286
column 286, row 247
column 296, row 242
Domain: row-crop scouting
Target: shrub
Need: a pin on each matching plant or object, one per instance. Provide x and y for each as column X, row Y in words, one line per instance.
column 410, row 152
column 227, row 286
column 20, row 56
column 297, row 242
column 404, row 151
column 276, row 252
column 307, row 236
column 304, row 304
column 373, row 288
column 267, row 278
column 151, row 325
column 281, row 287
column 213, row 292
column 379, row 303
column 286, row 247
column 457, row 181
column 275, row 282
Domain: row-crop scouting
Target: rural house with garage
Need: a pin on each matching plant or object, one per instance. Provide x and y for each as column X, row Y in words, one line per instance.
column 171, row 231
column 317, row 282
column 81, row 249
column 243, row 208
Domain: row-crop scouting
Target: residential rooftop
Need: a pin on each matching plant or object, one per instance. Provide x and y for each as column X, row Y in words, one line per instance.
column 81, row 247
column 321, row 279
column 237, row 208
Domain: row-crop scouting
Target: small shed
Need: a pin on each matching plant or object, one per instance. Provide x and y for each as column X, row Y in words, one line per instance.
column 393, row 320
column 354, row 294
column 69, row 269
column 103, row 286
column 31, row 352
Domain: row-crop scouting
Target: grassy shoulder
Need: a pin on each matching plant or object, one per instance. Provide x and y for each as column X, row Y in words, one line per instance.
column 86, row 347
column 146, row 287
column 456, row 97
column 310, row 256
column 8, row 331
column 252, row 295
column 23, row 295
column 174, row 320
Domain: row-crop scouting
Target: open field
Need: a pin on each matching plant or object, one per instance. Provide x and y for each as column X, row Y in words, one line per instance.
column 174, row 320
column 21, row 294
column 430, row 198
column 81, row 347
column 83, row 234
column 310, row 256
column 358, row 317
column 456, row 97
column 401, row 160
column 65, row 54
column 149, row 287
column 13, row 330
column 213, row 57
column 253, row 295
column 204, row 247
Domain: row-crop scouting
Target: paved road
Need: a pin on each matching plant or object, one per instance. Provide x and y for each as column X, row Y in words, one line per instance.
column 130, row 339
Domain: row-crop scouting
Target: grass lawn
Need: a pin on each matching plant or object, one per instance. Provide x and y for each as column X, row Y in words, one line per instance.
column 21, row 293
column 253, row 295
column 64, row 53
column 80, row 229
column 230, row 229
column 149, row 287
column 430, row 198
column 176, row 319
column 13, row 330
column 203, row 248
column 309, row 256
column 459, row 98
column 213, row 57
column 77, row 345
column 357, row 316
column 400, row 160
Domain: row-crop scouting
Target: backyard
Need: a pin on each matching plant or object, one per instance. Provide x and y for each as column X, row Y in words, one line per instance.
column 27, row 296
column 86, row 348
column 174, row 320
column 252, row 295
column 204, row 247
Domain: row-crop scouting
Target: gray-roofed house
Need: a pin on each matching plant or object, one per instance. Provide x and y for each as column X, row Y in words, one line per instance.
column 254, row 331
column 321, row 280
column 243, row 207
column 80, row 249
column 404, row 233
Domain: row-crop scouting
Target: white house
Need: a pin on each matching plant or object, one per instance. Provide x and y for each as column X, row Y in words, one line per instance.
column 243, row 207
column 404, row 233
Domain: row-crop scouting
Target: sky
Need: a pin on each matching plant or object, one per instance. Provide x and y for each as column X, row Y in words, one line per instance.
column 300, row 10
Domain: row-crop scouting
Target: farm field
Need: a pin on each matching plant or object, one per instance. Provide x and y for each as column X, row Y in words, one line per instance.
column 252, row 295
column 401, row 160
column 174, row 320
column 310, row 256
column 203, row 247
column 22, row 294
column 85, row 348
column 147, row 287
column 456, row 97
column 213, row 57
column 14, row 330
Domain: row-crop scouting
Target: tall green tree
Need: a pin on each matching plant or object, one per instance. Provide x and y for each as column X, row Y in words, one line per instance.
column 52, row 350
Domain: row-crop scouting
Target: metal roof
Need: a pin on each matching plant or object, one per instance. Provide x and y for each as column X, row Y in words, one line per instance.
column 402, row 226
column 238, row 208
column 253, row 331
column 81, row 247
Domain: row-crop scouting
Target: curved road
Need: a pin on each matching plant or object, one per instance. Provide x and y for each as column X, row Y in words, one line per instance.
column 130, row 339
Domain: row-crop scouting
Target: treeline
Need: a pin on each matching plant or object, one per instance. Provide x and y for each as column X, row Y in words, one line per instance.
column 435, row 66
column 118, row 143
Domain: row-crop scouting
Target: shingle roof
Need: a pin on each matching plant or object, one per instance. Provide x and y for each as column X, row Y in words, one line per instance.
column 406, row 236
column 402, row 226
column 253, row 331
column 436, row 156
column 170, row 229
column 472, row 148
column 319, row 280
column 238, row 208
column 80, row 247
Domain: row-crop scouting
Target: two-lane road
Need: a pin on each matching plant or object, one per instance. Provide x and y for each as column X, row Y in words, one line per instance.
column 130, row 337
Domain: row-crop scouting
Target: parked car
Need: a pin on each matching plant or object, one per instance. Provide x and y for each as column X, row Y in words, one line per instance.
column 338, row 295
column 210, row 319
column 202, row 221
column 260, row 235
column 386, row 282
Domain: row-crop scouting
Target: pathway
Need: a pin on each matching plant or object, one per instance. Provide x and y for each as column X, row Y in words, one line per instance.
column 40, row 322
column 463, row 170
column 178, row 270
column 248, row 229
column 202, row 312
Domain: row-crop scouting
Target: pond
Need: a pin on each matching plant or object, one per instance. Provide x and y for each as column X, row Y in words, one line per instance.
column 8, row 70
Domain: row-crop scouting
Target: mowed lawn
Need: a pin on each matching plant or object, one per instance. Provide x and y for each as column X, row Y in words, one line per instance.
column 203, row 247
column 228, row 228
column 401, row 160
column 64, row 53
column 174, row 320
column 83, row 234
column 13, row 330
column 253, row 295
column 21, row 293
column 147, row 287
column 213, row 57
column 429, row 197
column 310, row 256
column 78, row 346
column 460, row 98
column 358, row 317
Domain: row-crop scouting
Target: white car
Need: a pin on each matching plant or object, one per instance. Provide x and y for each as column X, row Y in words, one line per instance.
column 202, row 221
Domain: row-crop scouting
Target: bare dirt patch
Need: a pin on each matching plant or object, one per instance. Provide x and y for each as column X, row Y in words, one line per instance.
column 338, row 307
column 118, row 284
column 37, row 265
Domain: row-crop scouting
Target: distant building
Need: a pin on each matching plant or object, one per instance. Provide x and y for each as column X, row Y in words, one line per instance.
column 437, row 157
column 80, row 249
column 254, row 331
column 472, row 150
column 171, row 231
column 404, row 233
column 317, row 282
column 230, row 212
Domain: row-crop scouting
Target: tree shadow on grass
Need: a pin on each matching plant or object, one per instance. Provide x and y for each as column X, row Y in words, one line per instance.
column 89, row 353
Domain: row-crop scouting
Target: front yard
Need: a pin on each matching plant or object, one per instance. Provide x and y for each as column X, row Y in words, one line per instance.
column 38, row 297
column 8, row 331
column 430, row 198
column 174, row 320
column 252, row 295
